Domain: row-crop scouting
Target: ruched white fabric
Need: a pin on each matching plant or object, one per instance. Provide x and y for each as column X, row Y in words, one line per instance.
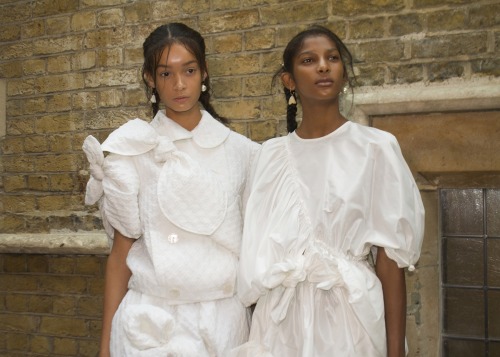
column 316, row 209
column 179, row 193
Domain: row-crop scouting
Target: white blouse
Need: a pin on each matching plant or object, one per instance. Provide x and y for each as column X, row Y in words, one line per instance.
column 179, row 193
column 316, row 208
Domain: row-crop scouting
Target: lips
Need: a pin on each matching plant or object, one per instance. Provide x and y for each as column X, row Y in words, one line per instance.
column 181, row 99
column 324, row 82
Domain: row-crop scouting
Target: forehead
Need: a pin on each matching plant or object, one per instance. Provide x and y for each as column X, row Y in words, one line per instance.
column 317, row 43
column 176, row 53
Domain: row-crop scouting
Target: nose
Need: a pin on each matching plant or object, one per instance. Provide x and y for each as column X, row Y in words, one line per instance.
column 179, row 83
column 323, row 66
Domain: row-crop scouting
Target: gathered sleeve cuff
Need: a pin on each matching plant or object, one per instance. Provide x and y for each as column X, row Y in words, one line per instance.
column 397, row 211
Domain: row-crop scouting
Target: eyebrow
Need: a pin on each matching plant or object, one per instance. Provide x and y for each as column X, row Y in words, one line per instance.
column 183, row 64
column 333, row 49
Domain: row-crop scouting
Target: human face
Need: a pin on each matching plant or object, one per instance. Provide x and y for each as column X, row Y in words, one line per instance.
column 318, row 71
column 178, row 81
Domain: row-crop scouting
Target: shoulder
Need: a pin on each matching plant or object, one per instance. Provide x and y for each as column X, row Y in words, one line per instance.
column 242, row 144
column 371, row 134
column 135, row 137
column 274, row 143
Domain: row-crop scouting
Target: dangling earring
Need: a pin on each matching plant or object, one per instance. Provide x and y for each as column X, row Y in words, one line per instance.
column 203, row 87
column 345, row 89
column 153, row 96
column 291, row 100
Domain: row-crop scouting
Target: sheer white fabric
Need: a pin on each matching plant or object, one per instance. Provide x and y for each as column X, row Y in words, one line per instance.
column 316, row 208
column 179, row 193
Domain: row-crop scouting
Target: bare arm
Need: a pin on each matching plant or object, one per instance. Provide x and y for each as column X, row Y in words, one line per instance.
column 115, row 287
column 394, row 287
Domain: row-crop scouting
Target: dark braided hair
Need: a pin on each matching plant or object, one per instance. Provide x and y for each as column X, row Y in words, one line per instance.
column 291, row 51
column 164, row 36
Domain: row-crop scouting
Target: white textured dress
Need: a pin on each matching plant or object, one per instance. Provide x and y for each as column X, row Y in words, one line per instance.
column 315, row 210
column 179, row 193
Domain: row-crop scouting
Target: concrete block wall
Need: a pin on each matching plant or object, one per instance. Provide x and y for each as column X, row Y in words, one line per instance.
column 71, row 68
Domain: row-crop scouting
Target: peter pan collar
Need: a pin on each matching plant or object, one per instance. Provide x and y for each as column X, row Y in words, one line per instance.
column 209, row 133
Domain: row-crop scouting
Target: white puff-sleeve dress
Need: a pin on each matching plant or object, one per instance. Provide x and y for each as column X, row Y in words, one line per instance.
column 315, row 210
column 179, row 193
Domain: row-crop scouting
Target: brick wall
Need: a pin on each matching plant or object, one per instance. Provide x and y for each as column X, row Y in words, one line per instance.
column 72, row 68
column 50, row 305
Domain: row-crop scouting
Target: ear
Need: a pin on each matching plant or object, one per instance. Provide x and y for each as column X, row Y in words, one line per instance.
column 205, row 73
column 149, row 80
column 287, row 80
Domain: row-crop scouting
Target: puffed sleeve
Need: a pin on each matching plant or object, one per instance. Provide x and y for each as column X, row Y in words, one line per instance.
column 397, row 213
column 119, row 206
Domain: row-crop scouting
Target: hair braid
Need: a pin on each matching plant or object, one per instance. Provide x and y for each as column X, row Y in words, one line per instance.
column 291, row 112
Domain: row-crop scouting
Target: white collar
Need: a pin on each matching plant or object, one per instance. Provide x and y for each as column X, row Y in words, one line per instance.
column 209, row 133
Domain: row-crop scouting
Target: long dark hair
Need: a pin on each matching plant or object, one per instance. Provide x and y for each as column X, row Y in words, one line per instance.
column 164, row 36
column 291, row 51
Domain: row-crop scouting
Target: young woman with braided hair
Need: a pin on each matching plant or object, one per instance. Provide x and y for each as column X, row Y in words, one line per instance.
column 170, row 194
column 322, row 200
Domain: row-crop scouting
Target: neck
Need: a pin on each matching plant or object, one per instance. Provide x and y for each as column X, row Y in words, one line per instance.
column 319, row 120
column 188, row 120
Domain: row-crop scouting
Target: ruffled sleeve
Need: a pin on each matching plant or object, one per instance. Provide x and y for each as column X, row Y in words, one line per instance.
column 396, row 217
column 114, row 181
column 120, row 206
column 273, row 238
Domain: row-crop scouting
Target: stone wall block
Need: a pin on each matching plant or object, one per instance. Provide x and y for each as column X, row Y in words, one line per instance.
column 83, row 21
column 110, row 17
column 59, row 82
column 17, row 164
column 262, row 130
column 373, row 27
column 363, row 7
column 226, row 87
column 112, row 77
column 260, row 39
column 290, row 13
column 230, row 21
column 50, row 46
column 54, row 7
column 379, row 51
column 66, row 346
column 13, row 183
column 446, row 45
column 55, row 163
column 63, row 326
column 35, row 144
column 401, row 25
column 258, row 86
column 485, row 16
column 195, row 6
column 12, row 145
column 18, row 12
column 487, row 67
column 12, row 69
column 234, row 64
column 9, row 33
column 58, row 25
column 227, row 43
column 446, row 20
column 62, row 284
column 419, row 4
column 18, row 203
column 239, row 109
column 21, row 87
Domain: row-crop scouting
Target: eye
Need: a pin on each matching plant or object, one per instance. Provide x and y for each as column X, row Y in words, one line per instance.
column 164, row 74
column 191, row 70
column 307, row 60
